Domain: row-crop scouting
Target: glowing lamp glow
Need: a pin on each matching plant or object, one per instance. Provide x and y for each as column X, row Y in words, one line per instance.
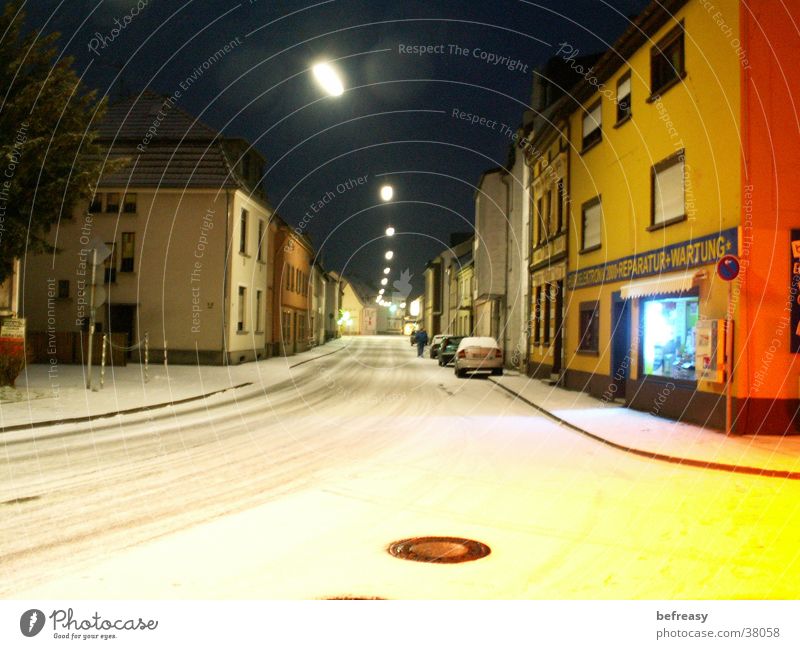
column 384, row 282
column 389, row 232
column 387, row 270
column 382, row 291
column 387, row 192
column 389, row 254
column 328, row 78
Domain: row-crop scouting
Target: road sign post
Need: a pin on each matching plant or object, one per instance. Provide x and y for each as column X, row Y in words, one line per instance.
column 728, row 270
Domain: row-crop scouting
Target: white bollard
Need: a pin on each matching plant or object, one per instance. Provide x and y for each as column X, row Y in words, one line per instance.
column 103, row 361
column 146, row 357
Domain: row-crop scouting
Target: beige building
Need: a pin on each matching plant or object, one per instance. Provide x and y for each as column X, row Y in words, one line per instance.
column 185, row 225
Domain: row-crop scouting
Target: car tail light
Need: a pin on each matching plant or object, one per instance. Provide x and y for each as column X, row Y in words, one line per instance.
column 498, row 353
column 462, row 354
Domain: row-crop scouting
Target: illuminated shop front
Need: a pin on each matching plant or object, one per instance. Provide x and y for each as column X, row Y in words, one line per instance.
column 668, row 336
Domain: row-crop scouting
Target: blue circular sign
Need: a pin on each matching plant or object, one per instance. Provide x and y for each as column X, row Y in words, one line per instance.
column 728, row 267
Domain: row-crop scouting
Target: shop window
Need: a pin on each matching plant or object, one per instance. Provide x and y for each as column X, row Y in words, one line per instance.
column 592, row 126
column 592, row 218
column 667, row 62
column 96, row 206
column 243, row 232
column 668, row 336
column 129, row 204
column 242, row 309
column 112, row 203
column 128, row 251
column 589, row 324
column 63, row 289
column 667, row 191
column 624, row 98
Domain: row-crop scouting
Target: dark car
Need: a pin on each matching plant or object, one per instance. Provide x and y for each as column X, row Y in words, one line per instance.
column 447, row 349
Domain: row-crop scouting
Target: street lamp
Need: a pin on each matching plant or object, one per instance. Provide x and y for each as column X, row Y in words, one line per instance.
column 328, row 78
column 389, row 254
column 382, row 291
column 389, row 232
column 386, row 193
column 387, row 270
column 384, row 282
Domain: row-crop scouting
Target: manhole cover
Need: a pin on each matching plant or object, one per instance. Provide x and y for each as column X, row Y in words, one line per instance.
column 439, row 549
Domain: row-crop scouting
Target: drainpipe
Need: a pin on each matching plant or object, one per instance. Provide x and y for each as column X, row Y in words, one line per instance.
column 226, row 277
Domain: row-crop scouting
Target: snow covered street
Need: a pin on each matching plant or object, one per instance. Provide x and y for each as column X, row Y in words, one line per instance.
column 295, row 488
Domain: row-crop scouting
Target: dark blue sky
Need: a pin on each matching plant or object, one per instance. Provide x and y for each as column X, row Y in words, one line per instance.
column 395, row 118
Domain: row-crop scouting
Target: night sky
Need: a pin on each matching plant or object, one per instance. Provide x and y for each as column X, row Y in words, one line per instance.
column 394, row 122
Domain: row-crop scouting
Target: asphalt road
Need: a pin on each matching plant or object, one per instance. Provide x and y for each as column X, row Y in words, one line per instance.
column 295, row 491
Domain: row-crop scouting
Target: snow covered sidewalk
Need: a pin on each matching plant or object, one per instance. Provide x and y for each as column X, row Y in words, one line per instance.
column 651, row 434
column 42, row 397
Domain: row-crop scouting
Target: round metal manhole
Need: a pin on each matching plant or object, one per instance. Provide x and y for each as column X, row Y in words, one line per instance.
column 439, row 549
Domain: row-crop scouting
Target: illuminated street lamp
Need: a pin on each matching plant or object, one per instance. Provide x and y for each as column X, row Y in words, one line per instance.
column 386, row 193
column 402, row 305
column 389, row 254
column 389, row 232
column 387, row 270
column 384, row 282
column 328, row 78
column 382, row 291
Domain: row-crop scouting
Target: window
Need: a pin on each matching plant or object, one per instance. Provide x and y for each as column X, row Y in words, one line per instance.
column 667, row 191
column 540, row 219
column 288, row 272
column 260, row 242
column 243, row 233
column 112, row 203
column 128, row 251
column 96, row 206
column 63, row 289
column 589, row 327
column 560, row 205
column 592, row 219
column 110, row 264
column 259, row 305
column 667, row 61
column 668, row 336
column 592, row 131
column 129, row 204
column 242, row 309
column 624, row 110
column 537, row 312
column 287, row 326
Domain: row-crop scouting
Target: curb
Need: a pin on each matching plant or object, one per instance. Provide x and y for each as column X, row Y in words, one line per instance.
column 154, row 406
column 650, row 455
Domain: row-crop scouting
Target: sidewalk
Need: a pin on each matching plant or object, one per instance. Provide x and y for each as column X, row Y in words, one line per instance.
column 650, row 434
column 42, row 397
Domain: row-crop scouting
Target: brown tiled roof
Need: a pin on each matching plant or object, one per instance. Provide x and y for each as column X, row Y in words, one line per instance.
column 178, row 152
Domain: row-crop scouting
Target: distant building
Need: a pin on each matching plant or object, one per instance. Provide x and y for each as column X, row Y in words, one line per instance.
column 292, row 315
column 183, row 223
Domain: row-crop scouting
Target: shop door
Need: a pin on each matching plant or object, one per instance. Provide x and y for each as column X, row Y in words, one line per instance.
column 620, row 344
column 558, row 341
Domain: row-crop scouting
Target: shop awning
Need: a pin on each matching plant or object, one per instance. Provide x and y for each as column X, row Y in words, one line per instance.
column 667, row 283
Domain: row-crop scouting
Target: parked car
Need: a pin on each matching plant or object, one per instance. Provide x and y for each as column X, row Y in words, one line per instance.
column 478, row 354
column 447, row 349
column 437, row 339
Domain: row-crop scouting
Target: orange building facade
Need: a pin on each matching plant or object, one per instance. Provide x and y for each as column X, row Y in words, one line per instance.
column 291, row 327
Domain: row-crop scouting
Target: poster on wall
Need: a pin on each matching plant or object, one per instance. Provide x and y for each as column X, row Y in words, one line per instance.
column 709, row 350
column 794, row 292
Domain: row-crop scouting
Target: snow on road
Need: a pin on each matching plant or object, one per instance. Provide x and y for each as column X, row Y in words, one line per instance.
column 295, row 491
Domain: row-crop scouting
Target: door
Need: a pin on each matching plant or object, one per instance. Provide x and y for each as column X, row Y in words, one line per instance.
column 558, row 341
column 121, row 320
column 620, row 344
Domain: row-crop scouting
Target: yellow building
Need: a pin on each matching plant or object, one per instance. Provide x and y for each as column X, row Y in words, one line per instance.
column 654, row 204
column 463, row 322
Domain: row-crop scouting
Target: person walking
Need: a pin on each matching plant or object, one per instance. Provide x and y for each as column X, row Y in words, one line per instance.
column 421, row 340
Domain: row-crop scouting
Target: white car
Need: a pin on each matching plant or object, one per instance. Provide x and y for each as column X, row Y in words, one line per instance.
column 478, row 354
